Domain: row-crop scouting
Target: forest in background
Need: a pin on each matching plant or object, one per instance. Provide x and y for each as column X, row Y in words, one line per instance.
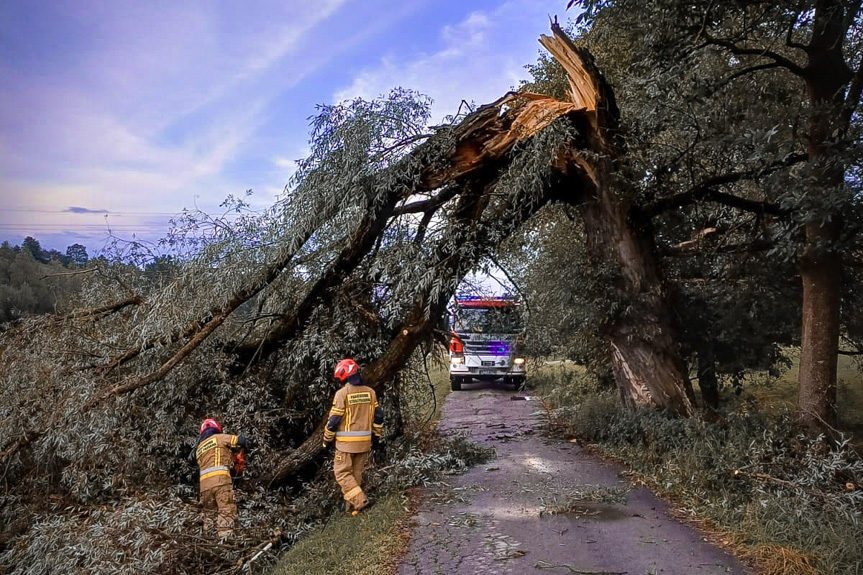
column 37, row 281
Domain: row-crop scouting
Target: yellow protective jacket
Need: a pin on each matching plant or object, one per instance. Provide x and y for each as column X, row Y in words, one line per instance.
column 354, row 417
column 214, row 458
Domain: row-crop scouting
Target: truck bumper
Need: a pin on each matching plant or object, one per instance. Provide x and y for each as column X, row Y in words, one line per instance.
column 486, row 372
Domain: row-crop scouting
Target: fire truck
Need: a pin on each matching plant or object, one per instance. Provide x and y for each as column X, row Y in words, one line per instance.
column 486, row 336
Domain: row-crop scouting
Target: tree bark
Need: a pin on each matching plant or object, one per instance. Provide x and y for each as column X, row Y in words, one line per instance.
column 821, row 273
column 826, row 76
column 707, row 381
column 643, row 342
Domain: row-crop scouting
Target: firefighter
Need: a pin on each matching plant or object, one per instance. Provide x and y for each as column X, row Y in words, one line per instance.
column 214, row 455
column 355, row 421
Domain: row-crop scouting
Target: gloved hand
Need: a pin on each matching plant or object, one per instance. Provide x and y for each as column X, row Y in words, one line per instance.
column 376, row 441
column 327, row 444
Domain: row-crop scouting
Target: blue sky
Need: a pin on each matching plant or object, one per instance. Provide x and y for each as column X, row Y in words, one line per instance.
column 122, row 113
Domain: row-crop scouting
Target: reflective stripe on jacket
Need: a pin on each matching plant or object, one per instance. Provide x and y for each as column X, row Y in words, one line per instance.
column 352, row 418
column 214, row 458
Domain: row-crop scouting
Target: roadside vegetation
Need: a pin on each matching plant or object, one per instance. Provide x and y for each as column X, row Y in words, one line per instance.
column 788, row 503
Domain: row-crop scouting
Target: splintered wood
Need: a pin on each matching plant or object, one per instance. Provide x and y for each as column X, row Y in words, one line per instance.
column 582, row 86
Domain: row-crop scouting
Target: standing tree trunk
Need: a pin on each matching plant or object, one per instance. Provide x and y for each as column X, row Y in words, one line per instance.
column 707, row 381
column 826, row 76
column 821, row 273
column 643, row 342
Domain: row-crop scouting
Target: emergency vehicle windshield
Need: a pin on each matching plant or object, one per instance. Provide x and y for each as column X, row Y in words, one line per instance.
column 488, row 320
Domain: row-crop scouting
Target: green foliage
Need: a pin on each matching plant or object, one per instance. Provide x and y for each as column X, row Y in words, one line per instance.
column 33, row 284
column 77, row 254
column 696, row 119
column 700, row 114
column 547, row 77
column 574, row 503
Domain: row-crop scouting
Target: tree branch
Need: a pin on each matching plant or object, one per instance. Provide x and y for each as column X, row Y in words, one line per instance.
column 788, row 41
column 179, row 356
column 852, row 100
column 72, row 273
column 706, row 191
column 512, row 281
column 468, row 226
column 750, row 70
column 430, row 204
column 110, row 308
column 483, row 143
column 681, row 250
column 760, row 52
column 422, row 227
column 23, row 441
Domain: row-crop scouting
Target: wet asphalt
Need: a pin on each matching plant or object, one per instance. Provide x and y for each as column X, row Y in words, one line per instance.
column 498, row 517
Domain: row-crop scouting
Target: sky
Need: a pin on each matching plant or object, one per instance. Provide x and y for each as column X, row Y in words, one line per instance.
column 115, row 115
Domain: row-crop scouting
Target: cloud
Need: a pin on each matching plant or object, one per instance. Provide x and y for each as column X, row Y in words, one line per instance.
column 79, row 210
column 478, row 59
column 156, row 102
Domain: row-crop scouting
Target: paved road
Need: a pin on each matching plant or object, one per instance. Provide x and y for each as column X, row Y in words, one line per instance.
column 495, row 518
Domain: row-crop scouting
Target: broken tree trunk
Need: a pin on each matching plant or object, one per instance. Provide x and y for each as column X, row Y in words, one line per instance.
column 643, row 343
column 481, row 140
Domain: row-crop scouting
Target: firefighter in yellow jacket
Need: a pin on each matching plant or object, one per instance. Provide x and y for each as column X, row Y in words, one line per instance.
column 214, row 454
column 355, row 419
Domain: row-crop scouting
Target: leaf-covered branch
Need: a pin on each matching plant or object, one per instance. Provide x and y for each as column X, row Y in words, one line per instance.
column 738, row 50
column 706, row 191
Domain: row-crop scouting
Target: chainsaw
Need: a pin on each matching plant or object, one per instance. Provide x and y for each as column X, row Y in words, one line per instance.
column 238, row 463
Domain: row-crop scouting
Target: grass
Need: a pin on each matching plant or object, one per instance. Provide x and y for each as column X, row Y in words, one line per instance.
column 368, row 544
column 760, row 391
column 688, row 462
column 778, row 499
column 781, row 392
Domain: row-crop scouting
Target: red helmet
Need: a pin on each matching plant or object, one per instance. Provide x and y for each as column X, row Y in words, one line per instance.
column 346, row 368
column 210, row 423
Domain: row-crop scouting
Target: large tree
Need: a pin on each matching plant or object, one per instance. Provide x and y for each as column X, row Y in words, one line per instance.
column 736, row 56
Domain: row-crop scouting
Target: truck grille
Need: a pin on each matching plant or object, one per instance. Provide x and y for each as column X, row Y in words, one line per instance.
column 487, row 347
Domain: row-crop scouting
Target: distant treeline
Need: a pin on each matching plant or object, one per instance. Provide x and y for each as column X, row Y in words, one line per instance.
column 35, row 281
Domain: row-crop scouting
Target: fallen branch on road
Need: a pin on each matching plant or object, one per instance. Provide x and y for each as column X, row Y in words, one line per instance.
column 546, row 565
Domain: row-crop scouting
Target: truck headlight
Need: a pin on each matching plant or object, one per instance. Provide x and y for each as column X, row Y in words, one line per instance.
column 456, row 359
column 518, row 361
